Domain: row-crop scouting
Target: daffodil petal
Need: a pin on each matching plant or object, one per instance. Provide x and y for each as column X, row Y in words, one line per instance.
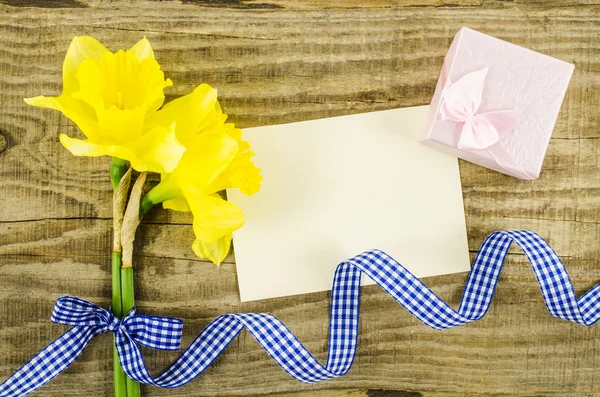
column 188, row 112
column 142, row 50
column 177, row 204
column 49, row 102
column 158, row 150
column 213, row 216
column 121, row 152
column 81, row 113
column 81, row 147
column 216, row 251
column 205, row 159
column 92, row 82
column 81, row 48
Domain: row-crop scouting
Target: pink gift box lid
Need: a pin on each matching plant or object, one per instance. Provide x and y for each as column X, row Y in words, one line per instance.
column 528, row 84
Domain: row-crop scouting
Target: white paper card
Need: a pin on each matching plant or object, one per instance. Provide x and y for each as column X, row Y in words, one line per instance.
column 336, row 187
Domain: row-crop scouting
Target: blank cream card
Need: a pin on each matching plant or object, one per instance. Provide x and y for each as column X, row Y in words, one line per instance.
column 336, row 187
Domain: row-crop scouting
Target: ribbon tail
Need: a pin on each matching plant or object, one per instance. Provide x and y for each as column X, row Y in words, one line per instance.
column 48, row 363
column 507, row 162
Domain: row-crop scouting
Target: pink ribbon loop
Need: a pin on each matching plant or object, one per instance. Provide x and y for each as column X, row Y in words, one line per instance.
column 481, row 131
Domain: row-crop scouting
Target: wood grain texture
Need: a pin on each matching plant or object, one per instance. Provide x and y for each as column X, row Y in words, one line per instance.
column 276, row 61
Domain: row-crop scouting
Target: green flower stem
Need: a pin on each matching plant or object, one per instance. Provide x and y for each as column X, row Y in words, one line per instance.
column 120, row 378
column 162, row 192
column 146, row 205
column 128, row 298
column 118, row 168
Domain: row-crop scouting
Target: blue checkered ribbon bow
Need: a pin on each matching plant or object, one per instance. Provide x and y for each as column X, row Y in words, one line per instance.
column 286, row 349
column 405, row 288
column 89, row 320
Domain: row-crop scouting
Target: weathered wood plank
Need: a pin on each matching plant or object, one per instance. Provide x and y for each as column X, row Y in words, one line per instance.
column 274, row 62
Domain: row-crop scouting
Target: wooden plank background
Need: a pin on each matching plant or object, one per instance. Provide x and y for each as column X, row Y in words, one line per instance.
column 275, row 61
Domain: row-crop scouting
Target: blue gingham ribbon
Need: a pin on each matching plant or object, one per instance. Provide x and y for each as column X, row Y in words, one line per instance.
column 89, row 320
column 406, row 289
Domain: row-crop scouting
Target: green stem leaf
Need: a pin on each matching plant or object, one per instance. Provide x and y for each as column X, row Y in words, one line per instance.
column 118, row 169
column 120, row 378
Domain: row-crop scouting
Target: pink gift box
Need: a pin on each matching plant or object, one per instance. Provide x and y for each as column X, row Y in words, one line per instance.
column 495, row 104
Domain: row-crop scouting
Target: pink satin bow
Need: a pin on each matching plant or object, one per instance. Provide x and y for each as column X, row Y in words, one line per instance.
column 481, row 131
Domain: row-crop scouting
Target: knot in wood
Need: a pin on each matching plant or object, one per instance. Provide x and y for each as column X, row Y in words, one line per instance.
column 3, row 142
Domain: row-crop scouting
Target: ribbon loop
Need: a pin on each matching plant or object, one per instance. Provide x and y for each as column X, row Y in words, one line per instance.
column 155, row 332
column 76, row 312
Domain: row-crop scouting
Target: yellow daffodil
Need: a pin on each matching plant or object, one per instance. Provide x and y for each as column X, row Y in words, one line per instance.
column 110, row 96
column 216, row 158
